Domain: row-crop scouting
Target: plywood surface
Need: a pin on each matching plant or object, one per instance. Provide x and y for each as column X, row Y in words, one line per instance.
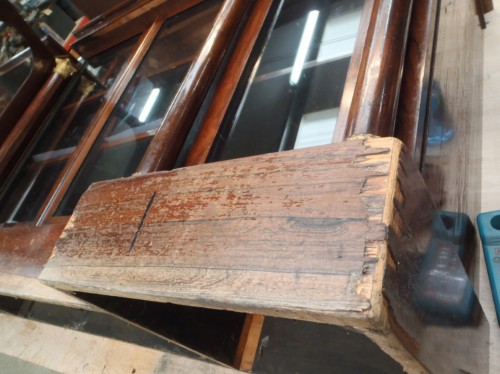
column 295, row 234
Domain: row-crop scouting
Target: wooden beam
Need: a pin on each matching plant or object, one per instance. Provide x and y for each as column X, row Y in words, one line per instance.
column 300, row 234
column 249, row 342
column 284, row 234
column 67, row 351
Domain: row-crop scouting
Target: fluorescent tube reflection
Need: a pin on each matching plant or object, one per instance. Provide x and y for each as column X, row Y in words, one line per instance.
column 305, row 44
column 149, row 104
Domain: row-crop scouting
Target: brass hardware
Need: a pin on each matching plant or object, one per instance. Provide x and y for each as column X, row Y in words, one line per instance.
column 86, row 86
column 64, row 67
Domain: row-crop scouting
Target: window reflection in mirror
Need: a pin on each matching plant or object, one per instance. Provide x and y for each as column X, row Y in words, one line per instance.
column 296, row 86
column 15, row 63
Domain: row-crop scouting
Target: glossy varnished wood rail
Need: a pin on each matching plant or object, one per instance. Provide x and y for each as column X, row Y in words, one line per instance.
column 163, row 149
column 375, row 95
column 25, row 128
column 299, row 234
column 127, row 23
column 234, row 70
column 85, row 145
column 357, row 67
column 42, row 64
column 416, row 85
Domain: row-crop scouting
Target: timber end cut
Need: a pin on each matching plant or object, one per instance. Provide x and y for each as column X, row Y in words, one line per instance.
column 301, row 234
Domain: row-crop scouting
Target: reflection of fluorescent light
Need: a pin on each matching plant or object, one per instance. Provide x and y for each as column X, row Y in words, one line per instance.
column 149, row 104
column 305, row 44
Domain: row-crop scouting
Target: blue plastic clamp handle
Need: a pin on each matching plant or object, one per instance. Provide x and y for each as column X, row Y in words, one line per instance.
column 489, row 231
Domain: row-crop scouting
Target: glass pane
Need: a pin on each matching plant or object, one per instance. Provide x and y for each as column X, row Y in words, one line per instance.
column 23, row 195
column 15, row 63
column 293, row 98
column 146, row 101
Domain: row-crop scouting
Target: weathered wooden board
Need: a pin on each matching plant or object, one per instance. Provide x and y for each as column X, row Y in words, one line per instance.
column 24, row 249
column 67, row 351
column 297, row 234
column 21, row 287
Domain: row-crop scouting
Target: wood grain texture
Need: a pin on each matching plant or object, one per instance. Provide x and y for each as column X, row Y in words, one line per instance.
column 24, row 249
column 25, row 288
column 249, row 342
column 296, row 234
column 124, row 22
column 77, row 352
column 227, row 86
column 416, row 83
column 170, row 136
column 375, row 95
column 300, row 234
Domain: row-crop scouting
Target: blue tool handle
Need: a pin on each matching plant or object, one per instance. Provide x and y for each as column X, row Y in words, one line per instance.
column 489, row 231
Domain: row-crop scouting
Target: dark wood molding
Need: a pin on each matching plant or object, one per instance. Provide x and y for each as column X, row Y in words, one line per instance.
column 127, row 23
column 375, row 95
column 164, row 147
column 42, row 64
column 357, row 67
column 227, row 86
column 416, row 84
column 98, row 122
column 25, row 128
column 98, row 11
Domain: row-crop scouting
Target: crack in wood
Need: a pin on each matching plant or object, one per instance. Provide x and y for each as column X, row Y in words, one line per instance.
column 139, row 228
